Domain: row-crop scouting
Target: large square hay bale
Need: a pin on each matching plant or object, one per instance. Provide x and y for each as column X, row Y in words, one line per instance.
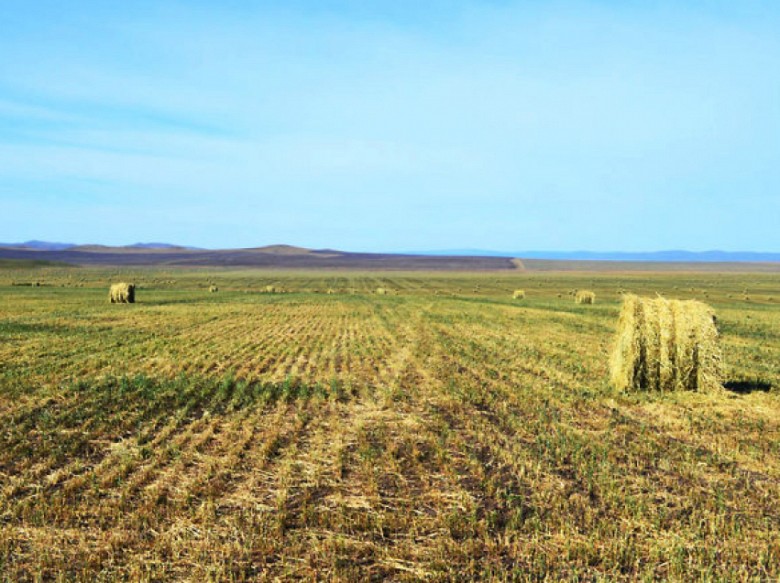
column 666, row 345
column 122, row 293
column 585, row 297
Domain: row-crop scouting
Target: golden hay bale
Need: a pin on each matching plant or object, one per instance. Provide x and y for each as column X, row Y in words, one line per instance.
column 213, row 289
column 665, row 345
column 330, row 292
column 519, row 294
column 270, row 289
column 122, row 293
column 584, row 296
column 380, row 291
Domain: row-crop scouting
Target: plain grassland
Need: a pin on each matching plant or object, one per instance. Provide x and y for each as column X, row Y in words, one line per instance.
column 441, row 432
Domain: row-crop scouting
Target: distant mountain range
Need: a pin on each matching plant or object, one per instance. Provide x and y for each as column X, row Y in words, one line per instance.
column 49, row 246
column 672, row 256
column 288, row 256
column 39, row 245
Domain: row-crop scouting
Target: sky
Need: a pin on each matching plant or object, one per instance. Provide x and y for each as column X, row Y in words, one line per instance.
column 392, row 125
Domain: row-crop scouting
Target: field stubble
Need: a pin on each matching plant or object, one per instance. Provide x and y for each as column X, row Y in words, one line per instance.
column 440, row 432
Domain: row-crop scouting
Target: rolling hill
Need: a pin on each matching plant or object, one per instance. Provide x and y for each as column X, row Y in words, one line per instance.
column 292, row 257
column 274, row 256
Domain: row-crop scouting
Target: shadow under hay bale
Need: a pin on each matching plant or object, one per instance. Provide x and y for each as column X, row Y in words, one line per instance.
column 666, row 345
column 747, row 387
column 122, row 293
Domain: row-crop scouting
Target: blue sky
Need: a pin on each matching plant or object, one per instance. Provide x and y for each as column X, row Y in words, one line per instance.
column 387, row 126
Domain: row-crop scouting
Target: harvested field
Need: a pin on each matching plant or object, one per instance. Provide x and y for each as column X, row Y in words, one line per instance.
column 441, row 431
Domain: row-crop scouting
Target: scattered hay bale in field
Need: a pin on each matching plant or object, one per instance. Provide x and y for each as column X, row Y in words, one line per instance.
column 380, row 291
column 666, row 345
column 271, row 289
column 518, row 294
column 122, row 293
column 213, row 289
column 584, row 296
column 330, row 292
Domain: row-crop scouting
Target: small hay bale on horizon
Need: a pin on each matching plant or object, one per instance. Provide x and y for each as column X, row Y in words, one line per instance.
column 122, row 293
column 666, row 345
column 271, row 289
column 213, row 289
column 380, row 291
column 518, row 294
column 585, row 297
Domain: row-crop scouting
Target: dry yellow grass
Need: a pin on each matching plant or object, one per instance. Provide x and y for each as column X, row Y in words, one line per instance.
column 249, row 436
column 666, row 345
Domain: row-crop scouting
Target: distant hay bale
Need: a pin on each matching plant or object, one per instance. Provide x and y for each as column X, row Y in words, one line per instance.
column 122, row 293
column 519, row 294
column 330, row 292
column 213, row 289
column 584, row 296
column 270, row 289
column 666, row 345
column 380, row 291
